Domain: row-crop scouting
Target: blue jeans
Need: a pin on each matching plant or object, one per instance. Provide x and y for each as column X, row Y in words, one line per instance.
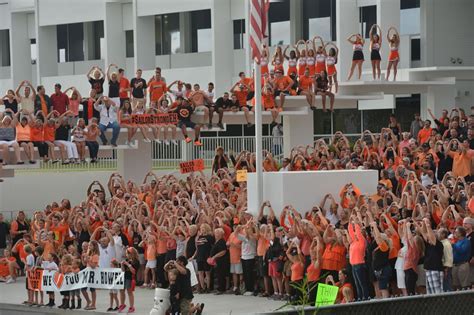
column 115, row 132
column 359, row 272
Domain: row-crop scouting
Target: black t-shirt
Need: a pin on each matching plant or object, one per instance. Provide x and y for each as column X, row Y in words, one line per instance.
column 137, row 239
column 433, row 256
column 184, row 285
column 204, row 245
column 114, row 88
column 11, row 105
column 379, row 258
column 97, row 85
column 128, row 274
column 191, row 246
column 322, row 83
column 62, row 133
column 223, row 103
column 218, row 247
column 82, row 236
column 4, row 229
column 137, row 89
column 184, row 112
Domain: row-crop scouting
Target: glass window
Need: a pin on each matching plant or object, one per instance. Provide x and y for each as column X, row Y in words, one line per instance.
column 347, row 120
column 415, row 49
column 97, row 33
column 5, row 48
column 409, row 4
column 70, row 39
column 375, row 120
column 405, row 110
column 239, row 34
column 279, row 21
column 322, row 123
column 129, row 52
column 367, row 18
column 201, row 31
column 409, row 17
column 319, row 18
column 167, row 34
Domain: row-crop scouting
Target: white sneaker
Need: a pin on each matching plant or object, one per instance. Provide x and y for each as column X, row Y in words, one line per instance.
column 158, row 141
column 174, row 142
column 130, row 144
column 167, row 142
column 248, row 293
column 126, row 142
column 147, row 140
column 10, row 280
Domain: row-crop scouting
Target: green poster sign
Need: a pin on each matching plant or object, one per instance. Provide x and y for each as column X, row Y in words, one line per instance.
column 326, row 294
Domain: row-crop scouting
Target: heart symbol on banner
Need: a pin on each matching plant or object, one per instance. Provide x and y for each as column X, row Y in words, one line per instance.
column 58, row 279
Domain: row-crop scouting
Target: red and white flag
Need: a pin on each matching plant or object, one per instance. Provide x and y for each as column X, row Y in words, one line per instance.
column 258, row 26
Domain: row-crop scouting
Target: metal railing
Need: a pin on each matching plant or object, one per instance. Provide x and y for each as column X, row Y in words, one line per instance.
column 168, row 156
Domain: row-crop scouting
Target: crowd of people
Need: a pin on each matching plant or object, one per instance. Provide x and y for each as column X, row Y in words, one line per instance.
column 71, row 122
column 414, row 235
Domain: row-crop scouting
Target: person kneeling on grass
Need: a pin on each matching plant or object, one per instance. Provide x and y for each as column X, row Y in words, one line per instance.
column 184, row 111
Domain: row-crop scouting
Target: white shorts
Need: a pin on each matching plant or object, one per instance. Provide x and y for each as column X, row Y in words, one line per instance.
column 236, row 268
column 8, row 143
column 401, row 279
column 151, row 264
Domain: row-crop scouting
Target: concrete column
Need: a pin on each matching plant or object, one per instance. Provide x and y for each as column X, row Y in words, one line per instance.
column 297, row 130
column 143, row 40
column 347, row 23
column 388, row 15
column 88, row 41
column 20, row 55
column 427, row 35
column 185, row 32
column 133, row 164
column 296, row 20
column 114, row 35
column 222, row 45
column 47, row 45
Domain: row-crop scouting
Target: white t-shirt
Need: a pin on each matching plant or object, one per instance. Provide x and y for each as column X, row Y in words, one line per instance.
column 106, row 256
column 49, row 265
column 30, row 261
column 118, row 248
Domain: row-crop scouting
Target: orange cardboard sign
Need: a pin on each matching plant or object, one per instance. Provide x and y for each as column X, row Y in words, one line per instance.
column 191, row 166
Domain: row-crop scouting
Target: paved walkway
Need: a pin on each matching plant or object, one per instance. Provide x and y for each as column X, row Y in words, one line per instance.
column 15, row 293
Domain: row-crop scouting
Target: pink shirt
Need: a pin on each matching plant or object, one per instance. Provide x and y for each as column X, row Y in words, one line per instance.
column 74, row 106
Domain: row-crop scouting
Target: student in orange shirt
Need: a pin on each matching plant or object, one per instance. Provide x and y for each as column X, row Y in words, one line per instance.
column 235, row 249
column 296, row 258
column 425, row 133
column 268, row 101
column 462, row 157
column 149, row 243
column 305, row 87
column 283, row 84
column 157, row 86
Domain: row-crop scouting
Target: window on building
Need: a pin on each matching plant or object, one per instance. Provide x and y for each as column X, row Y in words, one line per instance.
column 129, row 52
column 5, row 48
column 70, row 39
column 319, row 18
column 375, row 120
column 415, row 49
column 33, row 51
column 201, row 31
column 409, row 17
column 405, row 110
column 367, row 18
column 347, row 120
column 239, row 34
column 322, row 123
column 97, row 29
column 167, row 34
column 279, row 21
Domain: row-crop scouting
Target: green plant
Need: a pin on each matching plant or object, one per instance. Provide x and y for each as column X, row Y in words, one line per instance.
column 303, row 288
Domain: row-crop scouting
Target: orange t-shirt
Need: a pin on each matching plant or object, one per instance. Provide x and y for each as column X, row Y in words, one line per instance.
column 424, row 135
column 36, row 134
column 235, row 249
column 241, row 97
column 49, row 133
column 4, row 270
column 305, row 83
column 60, row 232
column 157, row 89
column 268, row 100
column 297, row 271
column 313, row 273
column 462, row 162
column 124, row 84
column 283, row 82
column 48, row 248
column 262, row 246
column 150, row 252
column 161, row 245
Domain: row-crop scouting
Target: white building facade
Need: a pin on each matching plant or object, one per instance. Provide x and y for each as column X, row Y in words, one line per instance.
column 201, row 41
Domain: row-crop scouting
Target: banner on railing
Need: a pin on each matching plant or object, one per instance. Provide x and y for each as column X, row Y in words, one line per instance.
column 98, row 278
column 151, row 119
column 191, row 166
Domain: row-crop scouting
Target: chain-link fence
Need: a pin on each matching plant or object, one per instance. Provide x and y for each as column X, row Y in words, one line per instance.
column 459, row 303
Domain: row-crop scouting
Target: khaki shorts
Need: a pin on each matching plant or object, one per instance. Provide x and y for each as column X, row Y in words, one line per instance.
column 461, row 275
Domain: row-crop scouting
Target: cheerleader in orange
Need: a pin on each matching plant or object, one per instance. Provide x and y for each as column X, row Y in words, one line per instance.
column 268, row 101
column 320, row 55
column 394, row 57
column 264, row 59
column 301, row 56
column 358, row 56
column 278, row 59
column 310, row 59
column 292, row 60
column 331, row 61
column 375, row 44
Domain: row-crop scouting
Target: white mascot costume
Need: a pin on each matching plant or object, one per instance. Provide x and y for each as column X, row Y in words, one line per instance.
column 162, row 302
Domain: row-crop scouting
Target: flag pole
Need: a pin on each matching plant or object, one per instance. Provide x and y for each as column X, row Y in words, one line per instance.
column 258, row 132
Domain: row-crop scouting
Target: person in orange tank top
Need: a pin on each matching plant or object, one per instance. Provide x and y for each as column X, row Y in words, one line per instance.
column 23, row 136
column 37, row 138
column 313, row 271
column 295, row 256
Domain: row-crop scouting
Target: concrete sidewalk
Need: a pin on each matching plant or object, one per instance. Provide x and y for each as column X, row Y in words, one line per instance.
column 14, row 294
